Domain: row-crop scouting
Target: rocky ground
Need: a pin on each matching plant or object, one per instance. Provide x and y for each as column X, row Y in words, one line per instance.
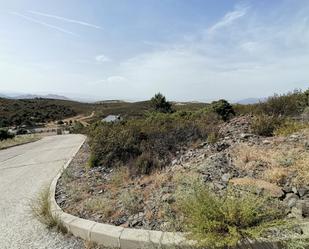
column 276, row 166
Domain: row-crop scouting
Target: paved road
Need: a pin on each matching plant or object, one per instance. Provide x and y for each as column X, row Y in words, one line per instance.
column 24, row 170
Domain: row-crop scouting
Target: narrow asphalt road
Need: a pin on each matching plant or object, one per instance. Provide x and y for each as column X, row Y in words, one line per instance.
column 24, row 171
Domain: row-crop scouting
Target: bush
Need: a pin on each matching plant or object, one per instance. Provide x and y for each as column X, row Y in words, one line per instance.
column 141, row 142
column 223, row 108
column 265, row 125
column 5, row 134
column 305, row 114
column 216, row 222
column 77, row 127
column 290, row 104
column 145, row 164
column 160, row 104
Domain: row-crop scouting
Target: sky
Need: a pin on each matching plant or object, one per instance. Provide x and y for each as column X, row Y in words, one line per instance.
column 130, row 49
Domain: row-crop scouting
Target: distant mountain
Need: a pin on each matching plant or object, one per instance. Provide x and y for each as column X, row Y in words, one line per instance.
column 48, row 96
column 250, row 101
column 112, row 101
column 3, row 96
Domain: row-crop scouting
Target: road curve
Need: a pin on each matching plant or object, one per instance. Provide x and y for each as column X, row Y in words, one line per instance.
column 25, row 170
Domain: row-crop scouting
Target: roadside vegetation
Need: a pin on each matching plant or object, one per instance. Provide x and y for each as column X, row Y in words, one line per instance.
column 8, row 140
column 149, row 143
column 40, row 209
column 223, row 173
column 223, row 221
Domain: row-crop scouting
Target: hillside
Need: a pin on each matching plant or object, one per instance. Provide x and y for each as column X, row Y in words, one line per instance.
column 41, row 110
column 30, row 111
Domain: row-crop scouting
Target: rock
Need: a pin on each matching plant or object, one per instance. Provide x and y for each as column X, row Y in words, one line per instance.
column 287, row 189
column 226, row 177
column 303, row 191
column 166, row 190
column 295, row 137
column 220, row 146
column 265, row 142
column 219, row 186
column 174, row 162
column 296, row 213
column 303, row 207
column 306, row 145
column 169, row 198
column 291, row 200
column 246, row 135
column 294, row 190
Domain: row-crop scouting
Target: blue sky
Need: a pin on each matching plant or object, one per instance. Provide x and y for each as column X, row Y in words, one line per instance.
column 131, row 49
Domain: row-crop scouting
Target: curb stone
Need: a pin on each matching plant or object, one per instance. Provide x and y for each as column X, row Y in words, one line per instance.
column 130, row 238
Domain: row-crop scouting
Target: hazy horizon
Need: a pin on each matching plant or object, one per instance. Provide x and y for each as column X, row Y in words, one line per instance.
column 188, row 50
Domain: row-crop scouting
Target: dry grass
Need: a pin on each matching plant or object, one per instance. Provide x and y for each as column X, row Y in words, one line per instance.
column 99, row 205
column 289, row 127
column 274, row 163
column 276, row 175
column 250, row 157
column 270, row 188
column 131, row 200
column 119, row 177
column 18, row 140
column 302, row 169
column 41, row 209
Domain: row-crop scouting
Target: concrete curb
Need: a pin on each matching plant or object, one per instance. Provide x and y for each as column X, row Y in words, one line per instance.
column 129, row 238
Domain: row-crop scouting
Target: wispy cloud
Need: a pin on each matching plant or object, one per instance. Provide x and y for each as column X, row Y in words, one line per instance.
column 115, row 79
column 65, row 19
column 229, row 18
column 102, row 58
column 43, row 23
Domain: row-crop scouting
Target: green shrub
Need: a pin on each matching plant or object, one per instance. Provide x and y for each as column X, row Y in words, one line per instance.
column 145, row 164
column 305, row 114
column 290, row 104
column 160, row 104
column 223, row 108
column 5, row 134
column 77, row 127
column 265, row 125
column 216, row 222
column 139, row 143
column 212, row 137
column 131, row 201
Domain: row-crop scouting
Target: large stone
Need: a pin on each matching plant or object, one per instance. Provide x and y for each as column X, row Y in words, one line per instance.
column 226, row 177
column 303, row 191
column 303, row 206
column 291, row 200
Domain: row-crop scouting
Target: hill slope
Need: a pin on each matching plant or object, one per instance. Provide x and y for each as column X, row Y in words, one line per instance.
column 30, row 111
